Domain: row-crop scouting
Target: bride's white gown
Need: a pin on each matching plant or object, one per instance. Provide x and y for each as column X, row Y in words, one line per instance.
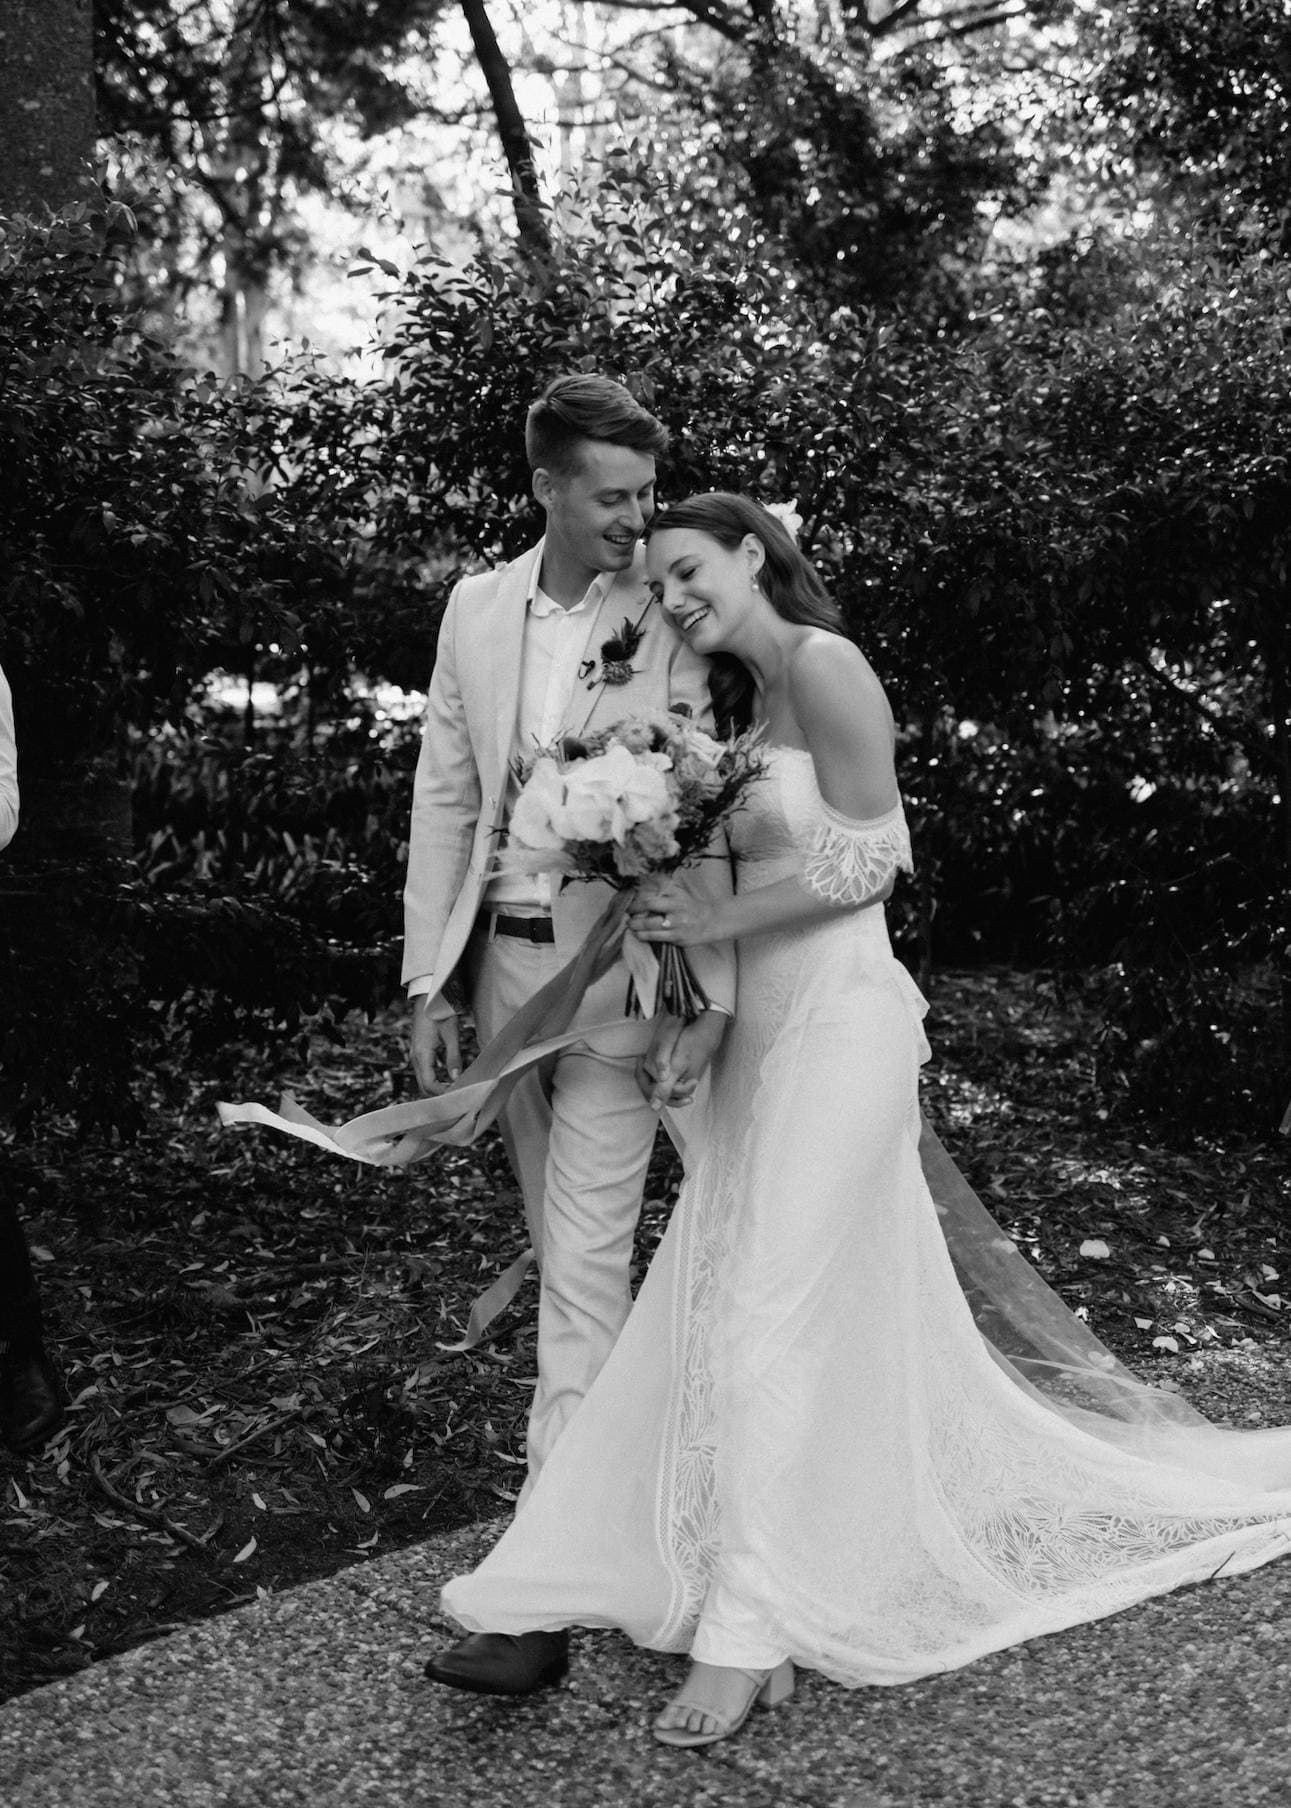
column 808, row 1442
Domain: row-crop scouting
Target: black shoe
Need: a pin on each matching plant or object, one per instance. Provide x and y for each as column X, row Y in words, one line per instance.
column 502, row 1663
column 31, row 1400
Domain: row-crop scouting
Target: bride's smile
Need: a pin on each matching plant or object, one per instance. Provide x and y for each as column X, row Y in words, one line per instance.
column 710, row 593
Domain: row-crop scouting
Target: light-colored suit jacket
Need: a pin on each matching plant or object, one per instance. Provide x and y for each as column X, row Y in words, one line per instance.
column 460, row 790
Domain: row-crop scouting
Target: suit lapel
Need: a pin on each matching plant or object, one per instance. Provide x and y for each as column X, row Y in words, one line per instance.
column 627, row 596
column 507, row 645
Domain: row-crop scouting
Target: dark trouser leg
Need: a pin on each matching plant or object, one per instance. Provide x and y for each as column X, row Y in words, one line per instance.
column 20, row 1320
column 31, row 1397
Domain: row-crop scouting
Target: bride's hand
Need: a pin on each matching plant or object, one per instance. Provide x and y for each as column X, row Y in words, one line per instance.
column 678, row 1057
column 664, row 911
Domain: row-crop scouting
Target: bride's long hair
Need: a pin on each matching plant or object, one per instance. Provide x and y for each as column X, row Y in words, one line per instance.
column 790, row 582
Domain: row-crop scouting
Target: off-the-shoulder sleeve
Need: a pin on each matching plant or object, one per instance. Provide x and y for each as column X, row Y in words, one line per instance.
column 851, row 861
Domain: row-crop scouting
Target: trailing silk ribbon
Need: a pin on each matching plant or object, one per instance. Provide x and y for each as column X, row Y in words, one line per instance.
column 1027, row 1328
column 394, row 1136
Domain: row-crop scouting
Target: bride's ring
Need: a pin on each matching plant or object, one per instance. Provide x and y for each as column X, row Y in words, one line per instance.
column 665, row 923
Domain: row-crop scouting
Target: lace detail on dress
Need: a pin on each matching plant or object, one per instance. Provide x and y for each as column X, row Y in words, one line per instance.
column 686, row 1503
column 851, row 861
column 802, row 1407
column 1060, row 1516
column 774, row 836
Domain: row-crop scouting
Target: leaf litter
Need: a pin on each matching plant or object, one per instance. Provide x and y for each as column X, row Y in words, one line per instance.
column 251, row 1332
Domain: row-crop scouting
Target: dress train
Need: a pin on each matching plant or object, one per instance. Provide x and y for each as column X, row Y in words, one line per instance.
column 846, row 1423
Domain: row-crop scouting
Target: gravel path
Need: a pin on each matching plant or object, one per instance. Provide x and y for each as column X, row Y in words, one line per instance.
column 316, row 1697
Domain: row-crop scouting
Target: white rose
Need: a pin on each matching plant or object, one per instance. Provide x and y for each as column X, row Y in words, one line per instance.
column 591, row 794
column 644, row 795
column 638, row 788
column 533, row 820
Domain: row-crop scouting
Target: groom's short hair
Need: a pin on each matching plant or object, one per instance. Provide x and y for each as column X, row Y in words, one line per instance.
column 582, row 407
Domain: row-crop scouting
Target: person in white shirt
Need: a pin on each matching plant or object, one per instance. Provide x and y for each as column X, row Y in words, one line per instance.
column 528, row 653
column 8, row 766
column 31, row 1397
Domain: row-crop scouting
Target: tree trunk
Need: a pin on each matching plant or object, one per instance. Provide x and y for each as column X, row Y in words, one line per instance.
column 46, row 102
column 243, row 172
column 75, row 801
column 59, row 941
column 531, row 217
column 244, row 305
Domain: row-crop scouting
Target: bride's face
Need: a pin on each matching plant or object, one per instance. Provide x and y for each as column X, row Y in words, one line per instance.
column 706, row 589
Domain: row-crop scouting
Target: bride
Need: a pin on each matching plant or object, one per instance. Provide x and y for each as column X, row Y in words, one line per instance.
column 846, row 1427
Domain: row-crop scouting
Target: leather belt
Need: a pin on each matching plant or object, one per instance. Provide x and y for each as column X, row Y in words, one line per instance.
column 528, row 929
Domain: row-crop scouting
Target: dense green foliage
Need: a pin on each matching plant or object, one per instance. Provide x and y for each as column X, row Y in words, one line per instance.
column 153, row 524
column 1067, row 527
column 1203, row 91
column 865, row 176
column 237, row 112
column 1055, row 515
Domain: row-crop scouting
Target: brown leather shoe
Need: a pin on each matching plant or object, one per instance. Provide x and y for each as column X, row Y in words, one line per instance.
column 31, row 1400
column 502, row 1663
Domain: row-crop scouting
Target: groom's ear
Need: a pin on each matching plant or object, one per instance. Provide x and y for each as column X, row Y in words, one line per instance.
column 544, row 487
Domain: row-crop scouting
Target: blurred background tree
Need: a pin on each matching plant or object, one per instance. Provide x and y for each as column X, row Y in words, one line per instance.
column 997, row 293
column 46, row 100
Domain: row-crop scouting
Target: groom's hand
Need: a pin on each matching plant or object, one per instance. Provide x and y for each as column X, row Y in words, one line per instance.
column 435, row 1040
column 678, row 1057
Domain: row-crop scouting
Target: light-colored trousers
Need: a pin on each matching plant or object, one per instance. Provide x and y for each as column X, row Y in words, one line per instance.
column 579, row 1134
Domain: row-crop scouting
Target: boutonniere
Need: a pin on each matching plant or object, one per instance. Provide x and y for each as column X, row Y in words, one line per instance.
column 617, row 653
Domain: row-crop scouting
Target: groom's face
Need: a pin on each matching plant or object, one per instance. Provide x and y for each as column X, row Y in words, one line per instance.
column 598, row 510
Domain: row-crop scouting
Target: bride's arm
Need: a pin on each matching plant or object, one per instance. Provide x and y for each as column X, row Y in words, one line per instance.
column 861, row 842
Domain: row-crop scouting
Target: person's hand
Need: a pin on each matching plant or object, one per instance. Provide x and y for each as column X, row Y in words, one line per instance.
column 664, row 911
column 435, row 1041
column 678, row 1057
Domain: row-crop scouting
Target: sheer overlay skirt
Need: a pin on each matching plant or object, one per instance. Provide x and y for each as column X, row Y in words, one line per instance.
column 814, row 1438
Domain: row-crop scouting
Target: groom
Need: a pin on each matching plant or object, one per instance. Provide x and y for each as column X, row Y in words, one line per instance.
column 564, row 639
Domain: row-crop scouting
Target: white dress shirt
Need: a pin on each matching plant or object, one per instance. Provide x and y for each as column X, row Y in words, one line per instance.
column 553, row 652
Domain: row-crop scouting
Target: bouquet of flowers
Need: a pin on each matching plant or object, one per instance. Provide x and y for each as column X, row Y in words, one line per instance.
column 643, row 796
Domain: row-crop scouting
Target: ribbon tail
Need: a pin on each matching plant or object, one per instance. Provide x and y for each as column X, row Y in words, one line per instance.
column 643, row 964
column 494, row 1300
column 395, row 1135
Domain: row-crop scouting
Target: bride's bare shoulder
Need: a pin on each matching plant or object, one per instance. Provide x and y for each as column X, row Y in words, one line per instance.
column 827, row 671
column 836, row 695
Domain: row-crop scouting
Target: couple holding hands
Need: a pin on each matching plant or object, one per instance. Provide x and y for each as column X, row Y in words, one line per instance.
column 843, row 1425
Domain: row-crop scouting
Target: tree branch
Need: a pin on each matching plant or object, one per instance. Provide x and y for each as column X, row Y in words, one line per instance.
column 879, row 28
column 1257, row 751
column 530, row 214
column 149, row 1515
column 719, row 18
column 969, row 19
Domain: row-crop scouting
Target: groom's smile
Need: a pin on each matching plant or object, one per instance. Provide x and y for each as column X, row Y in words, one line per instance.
column 596, row 513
